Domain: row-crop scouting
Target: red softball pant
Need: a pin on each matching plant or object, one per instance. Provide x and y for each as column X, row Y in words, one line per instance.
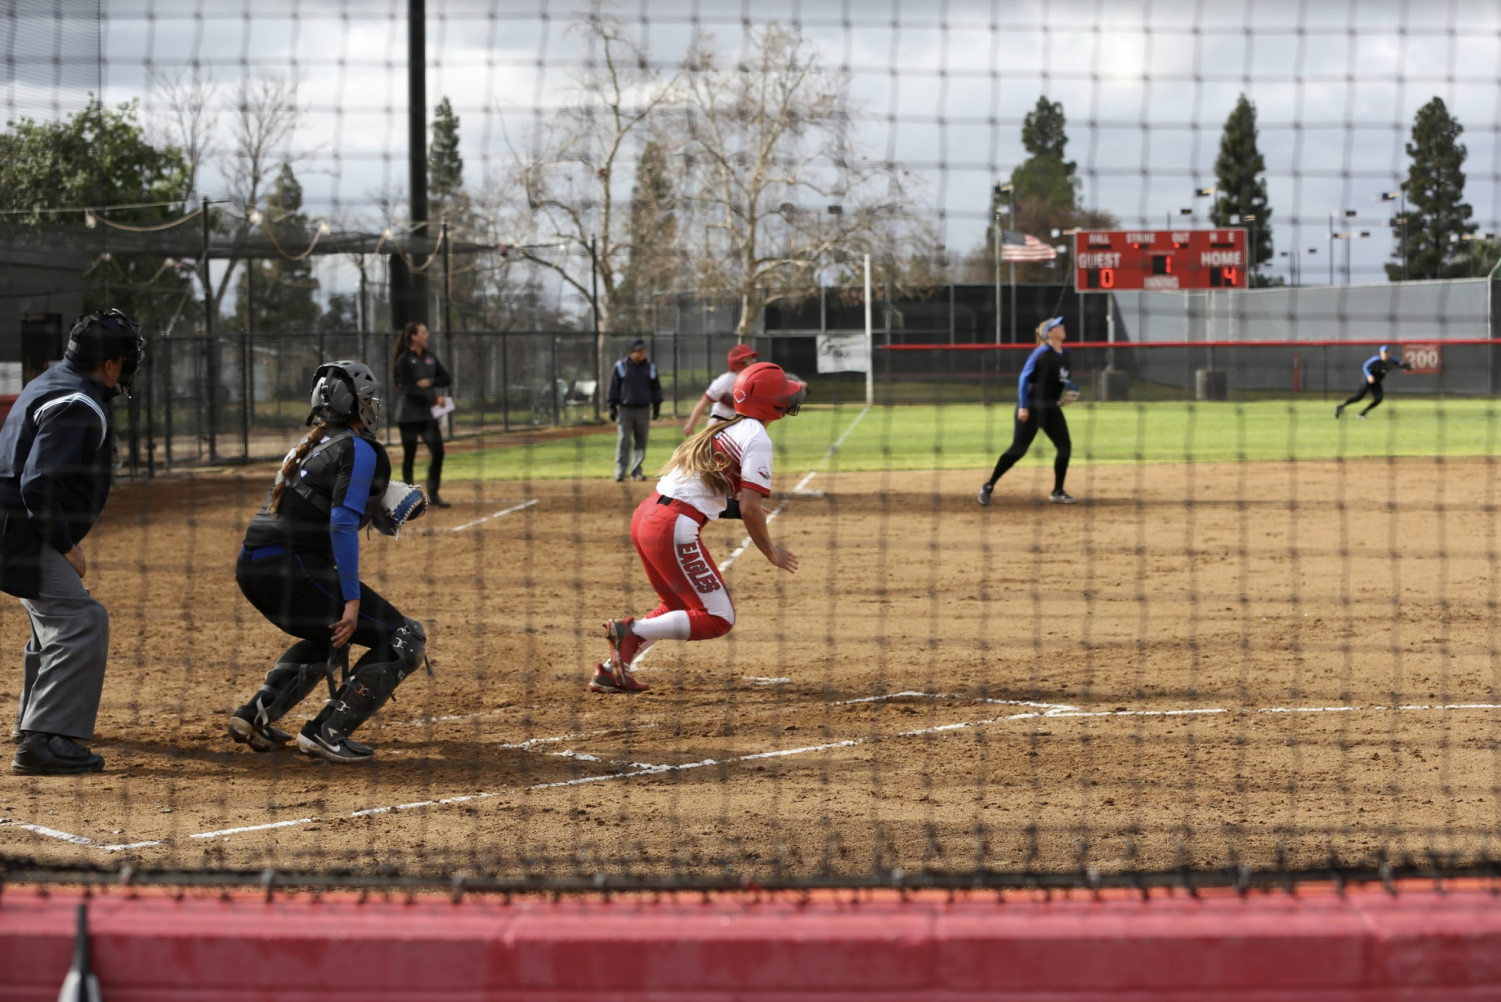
column 685, row 577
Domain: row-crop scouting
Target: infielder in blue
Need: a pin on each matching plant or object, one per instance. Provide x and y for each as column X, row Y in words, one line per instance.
column 1042, row 391
column 1375, row 369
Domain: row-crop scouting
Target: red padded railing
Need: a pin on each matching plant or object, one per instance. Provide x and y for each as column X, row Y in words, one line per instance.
column 1366, row 944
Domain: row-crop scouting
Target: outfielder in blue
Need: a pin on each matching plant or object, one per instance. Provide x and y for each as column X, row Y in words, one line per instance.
column 1375, row 369
column 300, row 568
column 1042, row 391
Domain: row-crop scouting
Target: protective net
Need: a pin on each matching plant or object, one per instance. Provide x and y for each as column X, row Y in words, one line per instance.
column 1222, row 616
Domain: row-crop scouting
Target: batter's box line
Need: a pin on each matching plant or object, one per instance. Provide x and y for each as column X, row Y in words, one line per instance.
column 639, row 769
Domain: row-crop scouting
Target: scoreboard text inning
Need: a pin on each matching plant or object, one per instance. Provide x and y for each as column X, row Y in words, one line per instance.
column 1110, row 260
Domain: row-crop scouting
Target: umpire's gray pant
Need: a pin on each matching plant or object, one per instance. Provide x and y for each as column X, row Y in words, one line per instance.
column 635, row 422
column 64, row 662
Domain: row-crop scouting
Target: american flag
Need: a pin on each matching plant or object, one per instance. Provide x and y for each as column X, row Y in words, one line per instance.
column 1024, row 247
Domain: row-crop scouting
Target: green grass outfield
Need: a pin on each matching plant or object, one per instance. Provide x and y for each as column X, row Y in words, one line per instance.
column 969, row 436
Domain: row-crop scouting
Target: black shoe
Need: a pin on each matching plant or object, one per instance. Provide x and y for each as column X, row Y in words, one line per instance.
column 985, row 491
column 1339, row 410
column 432, row 495
column 619, row 478
column 16, row 735
column 638, row 476
column 53, row 755
column 263, row 738
column 1063, row 497
column 331, row 746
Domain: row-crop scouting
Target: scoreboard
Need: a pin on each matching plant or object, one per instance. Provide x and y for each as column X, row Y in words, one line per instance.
column 1108, row 260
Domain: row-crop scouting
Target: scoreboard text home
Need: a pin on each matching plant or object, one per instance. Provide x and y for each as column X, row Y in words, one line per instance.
column 1108, row 260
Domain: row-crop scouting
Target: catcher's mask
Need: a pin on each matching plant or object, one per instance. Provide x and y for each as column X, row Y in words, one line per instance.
column 100, row 336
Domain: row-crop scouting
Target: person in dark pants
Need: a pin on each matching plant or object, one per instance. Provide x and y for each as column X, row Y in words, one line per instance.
column 1042, row 391
column 300, row 568
column 56, row 459
column 635, row 398
column 1375, row 369
column 419, row 375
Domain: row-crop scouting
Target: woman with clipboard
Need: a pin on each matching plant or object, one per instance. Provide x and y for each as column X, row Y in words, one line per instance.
column 419, row 375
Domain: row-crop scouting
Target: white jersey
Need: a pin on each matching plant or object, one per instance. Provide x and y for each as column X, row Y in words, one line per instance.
column 721, row 394
column 748, row 448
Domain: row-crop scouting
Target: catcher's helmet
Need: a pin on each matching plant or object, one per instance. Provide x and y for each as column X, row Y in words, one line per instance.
column 343, row 391
column 764, row 392
column 98, row 337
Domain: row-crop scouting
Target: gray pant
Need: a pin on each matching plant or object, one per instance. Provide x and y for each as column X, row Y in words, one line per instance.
column 65, row 657
column 635, row 422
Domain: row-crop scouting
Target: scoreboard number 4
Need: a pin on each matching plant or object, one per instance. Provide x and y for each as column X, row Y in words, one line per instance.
column 1424, row 359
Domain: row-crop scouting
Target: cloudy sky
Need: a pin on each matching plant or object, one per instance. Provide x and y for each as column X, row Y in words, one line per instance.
column 939, row 87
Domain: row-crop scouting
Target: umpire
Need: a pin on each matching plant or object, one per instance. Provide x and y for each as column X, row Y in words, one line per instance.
column 634, row 389
column 56, row 457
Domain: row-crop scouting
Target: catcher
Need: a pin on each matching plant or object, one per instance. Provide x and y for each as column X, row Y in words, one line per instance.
column 300, row 568
column 1043, row 390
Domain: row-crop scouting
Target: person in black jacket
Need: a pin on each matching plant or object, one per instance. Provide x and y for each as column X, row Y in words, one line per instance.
column 635, row 392
column 419, row 375
column 1373, row 372
column 56, row 458
column 300, row 568
column 1043, row 389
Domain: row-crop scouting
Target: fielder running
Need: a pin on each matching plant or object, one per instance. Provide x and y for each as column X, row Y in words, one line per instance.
column 1042, row 392
column 728, row 461
column 718, row 399
column 1376, row 367
column 300, row 568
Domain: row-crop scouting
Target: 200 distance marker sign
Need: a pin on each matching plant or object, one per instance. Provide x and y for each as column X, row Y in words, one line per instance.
column 1112, row 260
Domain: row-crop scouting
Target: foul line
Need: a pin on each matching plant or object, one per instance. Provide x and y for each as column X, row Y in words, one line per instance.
column 505, row 511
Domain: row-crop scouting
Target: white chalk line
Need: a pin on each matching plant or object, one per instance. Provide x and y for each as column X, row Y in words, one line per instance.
column 498, row 514
column 1048, row 711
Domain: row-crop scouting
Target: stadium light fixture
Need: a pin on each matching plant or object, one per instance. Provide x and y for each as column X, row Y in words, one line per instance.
column 1400, row 196
column 836, row 210
column 1205, row 192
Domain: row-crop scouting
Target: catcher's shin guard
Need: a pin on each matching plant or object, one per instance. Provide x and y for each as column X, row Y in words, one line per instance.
column 293, row 678
column 371, row 683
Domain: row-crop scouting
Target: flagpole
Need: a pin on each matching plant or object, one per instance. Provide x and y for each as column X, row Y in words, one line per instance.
column 1011, row 214
column 870, row 347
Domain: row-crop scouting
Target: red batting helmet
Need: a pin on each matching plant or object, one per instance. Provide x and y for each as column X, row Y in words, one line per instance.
column 764, row 392
column 742, row 355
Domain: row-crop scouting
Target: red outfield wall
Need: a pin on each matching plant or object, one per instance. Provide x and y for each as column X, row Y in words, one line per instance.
column 1366, row 945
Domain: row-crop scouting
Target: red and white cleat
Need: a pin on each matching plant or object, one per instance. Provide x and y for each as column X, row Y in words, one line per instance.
column 624, row 645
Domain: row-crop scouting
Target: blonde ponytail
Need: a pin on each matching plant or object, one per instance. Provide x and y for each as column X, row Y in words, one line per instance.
column 294, row 459
column 1042, row 332
column 697, row 457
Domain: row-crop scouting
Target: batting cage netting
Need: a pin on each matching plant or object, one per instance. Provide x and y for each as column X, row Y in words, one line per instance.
column 1142, row 502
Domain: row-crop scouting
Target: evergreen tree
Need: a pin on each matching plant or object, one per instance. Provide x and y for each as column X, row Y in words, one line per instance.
column 445, row 168
column 1045, row 176
column 281, row 296
column 650, row 263
column 1242, row 189
column 1437, row 215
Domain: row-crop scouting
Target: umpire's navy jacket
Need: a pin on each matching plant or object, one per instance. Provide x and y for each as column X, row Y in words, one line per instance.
column 56, row 455
column 633, row 385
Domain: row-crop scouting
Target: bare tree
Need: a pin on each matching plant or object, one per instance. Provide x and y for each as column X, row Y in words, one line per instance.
column 188, row 119
column 263, row 118
column 575, row 169
column 774, row 186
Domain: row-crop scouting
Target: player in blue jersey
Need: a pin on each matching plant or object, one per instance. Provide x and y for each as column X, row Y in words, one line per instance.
column 1375, row 369
column 300, row 568
column 1042, row 391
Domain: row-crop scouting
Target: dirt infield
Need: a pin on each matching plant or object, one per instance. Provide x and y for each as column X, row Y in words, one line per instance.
column 1203, row 664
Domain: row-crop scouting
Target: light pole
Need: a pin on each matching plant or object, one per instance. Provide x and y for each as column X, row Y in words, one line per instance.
column 1400, row 196
column 1250, row 217
column 1346, row 236
column 995, row 217
column 1181, row 212
column 1470, row 238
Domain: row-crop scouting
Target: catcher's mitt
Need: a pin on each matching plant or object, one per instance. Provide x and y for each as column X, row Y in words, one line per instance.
column 402, row 503
column 1070, row 393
